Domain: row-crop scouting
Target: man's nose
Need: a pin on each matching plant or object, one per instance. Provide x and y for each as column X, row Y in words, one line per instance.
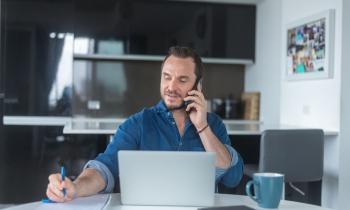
column 172, row 85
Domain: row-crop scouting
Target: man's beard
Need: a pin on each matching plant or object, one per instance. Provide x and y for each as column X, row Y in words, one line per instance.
column 173, row 108
column 182, row 106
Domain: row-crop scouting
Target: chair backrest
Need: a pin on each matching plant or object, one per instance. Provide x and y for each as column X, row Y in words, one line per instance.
column 296, row 153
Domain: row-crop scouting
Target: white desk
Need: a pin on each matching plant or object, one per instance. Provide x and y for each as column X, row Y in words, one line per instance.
column 220, row 200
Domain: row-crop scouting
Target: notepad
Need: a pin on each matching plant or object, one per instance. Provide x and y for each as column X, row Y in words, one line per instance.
column 95, row 202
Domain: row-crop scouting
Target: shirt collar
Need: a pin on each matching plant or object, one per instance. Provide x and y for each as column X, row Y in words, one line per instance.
column 160, row 107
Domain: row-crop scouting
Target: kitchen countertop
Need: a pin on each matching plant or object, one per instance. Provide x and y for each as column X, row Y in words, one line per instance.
column 234, row 127
column 108, row 126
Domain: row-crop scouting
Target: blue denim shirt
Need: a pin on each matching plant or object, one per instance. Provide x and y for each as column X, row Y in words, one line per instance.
column 155, row 129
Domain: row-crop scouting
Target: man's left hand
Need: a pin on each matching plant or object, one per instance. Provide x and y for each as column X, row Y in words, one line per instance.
column 197, row 109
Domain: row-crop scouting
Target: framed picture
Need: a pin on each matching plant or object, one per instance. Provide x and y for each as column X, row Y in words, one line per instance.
column 310, row 47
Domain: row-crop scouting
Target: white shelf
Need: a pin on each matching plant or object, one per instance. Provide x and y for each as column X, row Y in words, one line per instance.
column 35, row 120
column 102, row 57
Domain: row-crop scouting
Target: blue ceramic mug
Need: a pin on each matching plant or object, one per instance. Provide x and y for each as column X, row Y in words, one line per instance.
column 268, row 189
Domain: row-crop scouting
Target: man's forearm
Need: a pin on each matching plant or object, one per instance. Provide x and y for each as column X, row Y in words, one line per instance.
column 89, row 182
column 212, row 144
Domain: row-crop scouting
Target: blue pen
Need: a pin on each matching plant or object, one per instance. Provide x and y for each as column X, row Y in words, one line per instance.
column 63, row 174
column 46, row 200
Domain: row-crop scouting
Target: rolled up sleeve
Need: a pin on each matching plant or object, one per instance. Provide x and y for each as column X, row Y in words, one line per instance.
column 231, row 176
column 234, row 160
column 105, row 173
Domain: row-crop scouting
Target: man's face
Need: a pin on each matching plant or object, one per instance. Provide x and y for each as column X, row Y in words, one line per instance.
column 177, row 79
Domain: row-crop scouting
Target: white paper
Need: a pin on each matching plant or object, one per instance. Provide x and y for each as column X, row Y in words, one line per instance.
column 95, row 202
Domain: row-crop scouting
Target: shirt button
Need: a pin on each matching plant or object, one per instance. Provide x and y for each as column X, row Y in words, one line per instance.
column 173, row 123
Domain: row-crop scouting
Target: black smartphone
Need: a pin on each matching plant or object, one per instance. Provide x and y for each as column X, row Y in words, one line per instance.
column 195, row 87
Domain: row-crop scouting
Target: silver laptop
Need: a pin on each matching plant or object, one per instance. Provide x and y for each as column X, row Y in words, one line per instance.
column 167, row 178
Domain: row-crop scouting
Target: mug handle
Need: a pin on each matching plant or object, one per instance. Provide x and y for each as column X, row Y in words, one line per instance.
column 247, row 190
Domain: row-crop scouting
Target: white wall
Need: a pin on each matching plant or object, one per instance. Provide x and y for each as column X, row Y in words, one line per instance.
column 344, row 168
column 264, row 75
column 315, row 103
column 309, row 103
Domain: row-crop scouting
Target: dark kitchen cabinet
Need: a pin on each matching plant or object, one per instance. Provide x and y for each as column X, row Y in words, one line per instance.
column 42, row 38
column 151, row 27
column 36, row 64
column 29, row 65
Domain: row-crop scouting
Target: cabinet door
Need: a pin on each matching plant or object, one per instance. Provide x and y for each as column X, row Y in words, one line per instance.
column 19, row 94
column 240, row 34
column 37, row 58
column 151, row 27
column 214, row 30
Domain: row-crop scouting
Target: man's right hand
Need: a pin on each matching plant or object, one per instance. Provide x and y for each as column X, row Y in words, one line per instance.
column 55, row 188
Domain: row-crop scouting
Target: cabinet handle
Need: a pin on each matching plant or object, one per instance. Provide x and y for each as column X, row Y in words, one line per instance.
column 2, row 95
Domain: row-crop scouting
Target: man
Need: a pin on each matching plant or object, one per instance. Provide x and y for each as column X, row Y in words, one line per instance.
column 178, row 122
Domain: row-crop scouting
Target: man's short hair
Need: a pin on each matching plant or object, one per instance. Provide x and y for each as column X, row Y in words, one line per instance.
column 186, row 52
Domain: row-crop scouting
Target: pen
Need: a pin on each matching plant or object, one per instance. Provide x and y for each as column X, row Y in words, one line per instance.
column 46, row 200
column 63, row 174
